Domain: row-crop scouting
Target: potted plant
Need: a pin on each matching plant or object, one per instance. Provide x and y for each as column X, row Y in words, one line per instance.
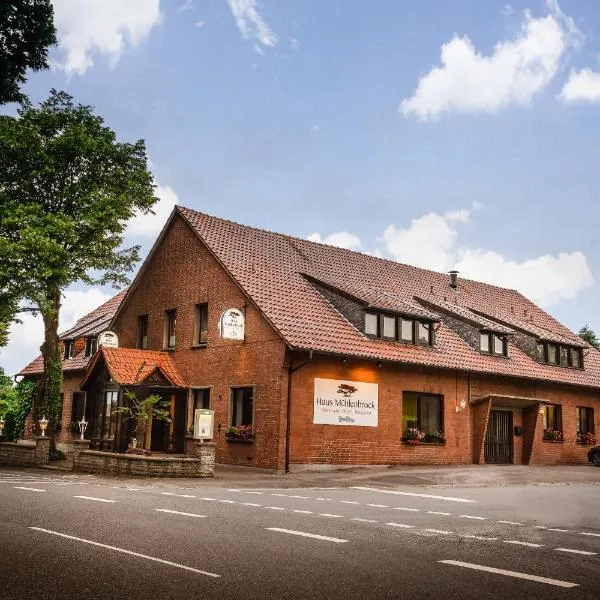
column 239, row 432
column 140, row 412
column 412, row 436
column 553, row 435
column 435, row 437
column 587, row 438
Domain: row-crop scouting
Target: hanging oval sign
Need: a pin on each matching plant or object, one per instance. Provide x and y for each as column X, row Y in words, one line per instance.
column 108, row 339
column 232, row 324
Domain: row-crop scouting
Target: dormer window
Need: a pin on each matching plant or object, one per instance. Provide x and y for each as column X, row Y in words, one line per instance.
column 493, row 343
column 391, row 327
column 69, row 349
column 91, row 345
column 560, row 354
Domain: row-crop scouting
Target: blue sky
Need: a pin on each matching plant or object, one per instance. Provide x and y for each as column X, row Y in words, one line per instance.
column 445, row 134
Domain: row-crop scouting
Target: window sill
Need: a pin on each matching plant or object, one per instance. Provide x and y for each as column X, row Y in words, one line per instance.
column 587, row 443
column 169, row 349
column 423, row 443
column 239, row 440
column 553, row 441
column 202, row 345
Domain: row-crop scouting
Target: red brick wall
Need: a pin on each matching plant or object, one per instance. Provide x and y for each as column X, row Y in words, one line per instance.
column 182, row 274
column 343, row 444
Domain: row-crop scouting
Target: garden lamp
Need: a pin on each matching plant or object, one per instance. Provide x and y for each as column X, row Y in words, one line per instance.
column 82, row 426
column 43, row 425
column 1, row 426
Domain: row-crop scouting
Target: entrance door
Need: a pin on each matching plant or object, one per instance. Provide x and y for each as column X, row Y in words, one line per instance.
column 170, row 437
column 499, row 438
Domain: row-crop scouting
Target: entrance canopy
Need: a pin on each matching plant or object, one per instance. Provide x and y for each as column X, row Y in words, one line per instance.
column 502, row 400
column 133, row 367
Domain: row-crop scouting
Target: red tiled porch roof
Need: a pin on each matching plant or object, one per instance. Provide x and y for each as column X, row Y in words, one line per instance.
column 130, row 366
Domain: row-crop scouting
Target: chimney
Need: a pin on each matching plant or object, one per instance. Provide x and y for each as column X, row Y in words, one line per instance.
column 453, row 279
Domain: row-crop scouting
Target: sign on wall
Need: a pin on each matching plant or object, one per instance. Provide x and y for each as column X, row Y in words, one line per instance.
column 339, row 402
column 232, row 324
column 204, row 420
column 108, row 339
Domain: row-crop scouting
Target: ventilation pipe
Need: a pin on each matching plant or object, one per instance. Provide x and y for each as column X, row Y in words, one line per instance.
column 453, row 279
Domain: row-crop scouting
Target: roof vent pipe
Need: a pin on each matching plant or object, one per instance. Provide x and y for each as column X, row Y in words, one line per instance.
column 453, row 279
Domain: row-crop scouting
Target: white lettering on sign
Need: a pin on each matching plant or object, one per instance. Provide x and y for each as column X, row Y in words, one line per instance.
column 232, row 324
column 108, row 339
column 346, row 403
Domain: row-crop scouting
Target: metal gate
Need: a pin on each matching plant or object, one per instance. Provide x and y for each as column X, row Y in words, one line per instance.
column 499, row 438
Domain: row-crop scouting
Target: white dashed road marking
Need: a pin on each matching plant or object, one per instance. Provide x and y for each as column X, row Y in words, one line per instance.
column 179, row 495
column 345, row 501
column 401, row 525
column 378, row 505
column 123, row 551
column 560, row 530
column 588, row 533
column 573, row 551
column 434, row 497
column 520, row 543
column 251, row 504
column 440, row 531
column 556, row 582
column 510, row 522
column 94, row 499
column 330, row 515
column 437, row 512
column 18, row 487
column 308, row 535
column 178, row 512
column 364, row 520
column 303, row 512
column 473, row 517
column 480, row 537
column 275, row 507
column 407, row 509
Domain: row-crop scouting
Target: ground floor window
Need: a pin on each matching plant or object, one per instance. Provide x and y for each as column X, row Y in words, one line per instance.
column 553, row 423
column 422, row 417
column 198, row 398
column 78, row 407
column 242, row 401
column 585, row 424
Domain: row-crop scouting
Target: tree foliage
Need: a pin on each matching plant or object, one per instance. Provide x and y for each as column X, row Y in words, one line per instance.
column 15, row 405
column 26, row 33
column 589, row 336
column 67, row 190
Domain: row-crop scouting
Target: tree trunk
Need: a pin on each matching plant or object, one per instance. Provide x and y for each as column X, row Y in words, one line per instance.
column 48, row 393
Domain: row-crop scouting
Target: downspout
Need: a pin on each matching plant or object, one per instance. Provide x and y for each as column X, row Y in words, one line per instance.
column 288, row 418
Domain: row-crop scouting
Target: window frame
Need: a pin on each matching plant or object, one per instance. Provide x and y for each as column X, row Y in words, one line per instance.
column 558, row 423
column 232, row 391
column 589, row 412
column 399, row 321
column 418, row 396
column 69, row 349
column 91, row 345
column 142, row 332
column 192, row 405
column 543, row 355
column 200, row 317
column 169, row 329
column 491, row 339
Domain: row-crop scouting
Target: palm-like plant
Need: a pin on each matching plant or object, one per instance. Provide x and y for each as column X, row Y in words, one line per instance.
column 141, row 411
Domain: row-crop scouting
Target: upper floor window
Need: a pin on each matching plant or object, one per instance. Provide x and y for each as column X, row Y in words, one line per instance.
column 201, row 324
column 142, row 332
column 69, row 346
column 391, row 327
column 170, row 322
column 560, row 354
column 492, row 343
column 91, row 345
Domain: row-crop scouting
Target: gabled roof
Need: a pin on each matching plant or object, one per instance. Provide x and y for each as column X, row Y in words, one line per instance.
column 269, row 268
column 93, row 323
column 129, row 366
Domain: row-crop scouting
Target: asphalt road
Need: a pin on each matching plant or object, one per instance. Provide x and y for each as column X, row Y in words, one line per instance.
column 65, row 536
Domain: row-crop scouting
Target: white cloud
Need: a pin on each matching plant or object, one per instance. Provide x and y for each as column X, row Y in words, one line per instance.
column 26, row 337
column 514, row 73
column 432, row 242
column 251, row 24
column 342, row 239
column 102, row 26
column 582, row 86
column 149, row 225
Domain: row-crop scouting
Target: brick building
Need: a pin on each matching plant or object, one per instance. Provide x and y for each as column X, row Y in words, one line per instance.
column 315, row 355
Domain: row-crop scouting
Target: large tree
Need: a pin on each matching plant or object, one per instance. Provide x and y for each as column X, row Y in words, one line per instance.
column 67, row 189
column 26, row 33
column 589, row 336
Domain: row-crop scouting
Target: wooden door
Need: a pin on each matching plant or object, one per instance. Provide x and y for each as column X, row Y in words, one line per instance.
column 499, row 438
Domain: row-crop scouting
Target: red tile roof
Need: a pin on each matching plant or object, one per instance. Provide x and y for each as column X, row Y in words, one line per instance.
column 129, row 366
column 91, row 324
column 269, row 267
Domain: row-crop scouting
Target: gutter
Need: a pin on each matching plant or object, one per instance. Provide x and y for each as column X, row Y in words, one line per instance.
column 288, row 418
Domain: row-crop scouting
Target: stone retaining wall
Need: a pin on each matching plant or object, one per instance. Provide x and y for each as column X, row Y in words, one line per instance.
column 114, row 463
column 25, row 454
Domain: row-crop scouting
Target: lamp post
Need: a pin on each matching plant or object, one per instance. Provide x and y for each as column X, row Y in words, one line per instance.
column 43, row 425
column 1, row 426
column 82, row 426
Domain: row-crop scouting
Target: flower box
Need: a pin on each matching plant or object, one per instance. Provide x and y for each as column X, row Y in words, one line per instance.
column 239, row 433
